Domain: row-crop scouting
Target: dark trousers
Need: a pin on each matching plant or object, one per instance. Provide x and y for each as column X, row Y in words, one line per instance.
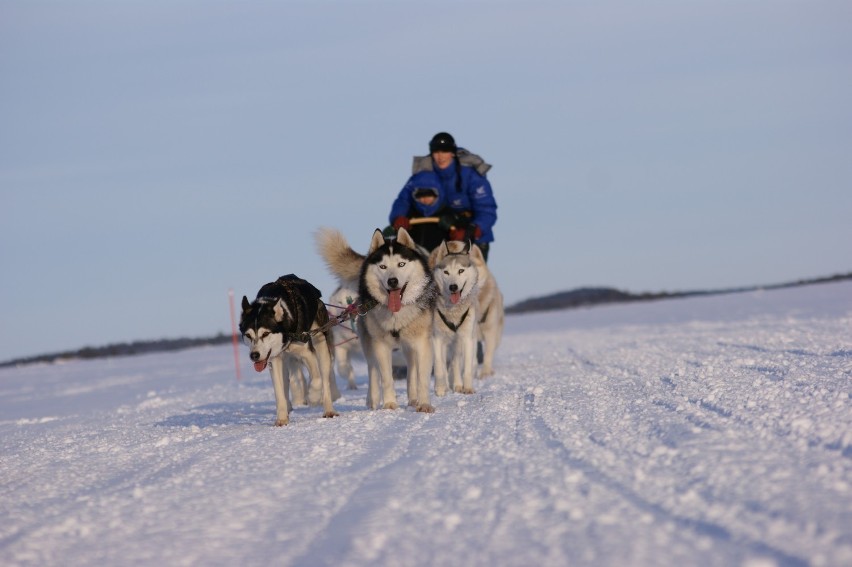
column 430, row 235
column 485, row 246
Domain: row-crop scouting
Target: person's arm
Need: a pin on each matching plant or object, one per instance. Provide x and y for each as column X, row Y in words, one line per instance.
column 483, row 206
column 402, row 204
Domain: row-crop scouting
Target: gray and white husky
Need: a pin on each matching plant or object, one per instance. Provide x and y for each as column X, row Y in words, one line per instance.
column 346, row 343
column 454, row 325
column 489, row 309
column 393, row 279
column 277, row 326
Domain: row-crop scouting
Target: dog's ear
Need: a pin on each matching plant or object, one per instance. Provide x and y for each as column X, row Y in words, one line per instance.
column 377, row 242
column 438, row 254
column 405, row 239
column 466, row 249
column 246, row 304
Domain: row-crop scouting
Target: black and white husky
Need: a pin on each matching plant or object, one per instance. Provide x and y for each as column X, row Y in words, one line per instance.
column 454, row 326
column 288, row 320
column 395, row 282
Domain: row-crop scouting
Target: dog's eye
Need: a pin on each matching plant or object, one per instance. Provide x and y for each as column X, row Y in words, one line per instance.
column 382, row 267
column 400, row 265
column 461, row 271
column 446, row 272
column 264, row 334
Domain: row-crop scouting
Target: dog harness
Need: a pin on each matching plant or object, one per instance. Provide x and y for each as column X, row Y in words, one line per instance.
column 454, row 328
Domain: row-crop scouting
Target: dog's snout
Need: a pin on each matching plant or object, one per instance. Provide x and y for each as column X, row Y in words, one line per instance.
column 393, row 283
column 454, row 287
column 255, row 356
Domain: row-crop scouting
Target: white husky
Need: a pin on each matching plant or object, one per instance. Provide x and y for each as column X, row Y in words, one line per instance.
column 395, row 282
column 490, row 309
column 454, row 325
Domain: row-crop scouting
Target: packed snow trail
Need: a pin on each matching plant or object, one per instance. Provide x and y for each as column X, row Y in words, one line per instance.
column 708, row 431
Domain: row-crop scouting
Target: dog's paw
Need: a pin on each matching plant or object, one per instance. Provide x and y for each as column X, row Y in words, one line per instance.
column 458, row 389
column 425, row 408
column 331, row 413
column 486, row 372
column 468, row 391
column 390, row 405
column 282, row 422
column 441, row 392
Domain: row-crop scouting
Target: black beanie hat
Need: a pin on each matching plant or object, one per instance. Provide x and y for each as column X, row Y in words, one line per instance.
column 442, row 142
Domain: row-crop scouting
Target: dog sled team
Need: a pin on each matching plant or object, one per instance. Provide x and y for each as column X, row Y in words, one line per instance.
column 421, row 292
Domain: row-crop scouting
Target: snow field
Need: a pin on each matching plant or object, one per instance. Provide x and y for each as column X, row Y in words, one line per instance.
column 708, row 431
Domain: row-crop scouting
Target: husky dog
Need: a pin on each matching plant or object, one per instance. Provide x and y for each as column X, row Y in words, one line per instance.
column 393, row 279
column 454, row 325
column 278, row 324
column 490, row 309
column 346, row 341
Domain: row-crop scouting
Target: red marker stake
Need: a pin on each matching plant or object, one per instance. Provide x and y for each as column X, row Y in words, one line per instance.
column 234, row 334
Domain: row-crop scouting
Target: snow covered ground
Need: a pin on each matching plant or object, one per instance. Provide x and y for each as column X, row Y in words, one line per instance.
column 704, row 431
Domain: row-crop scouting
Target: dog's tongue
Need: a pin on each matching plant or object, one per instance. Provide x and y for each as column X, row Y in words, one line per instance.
column 395, row 300
column 454, row 297
column 260, row 365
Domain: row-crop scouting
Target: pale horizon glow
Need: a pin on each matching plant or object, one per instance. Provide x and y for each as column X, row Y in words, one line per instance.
column 155, row 155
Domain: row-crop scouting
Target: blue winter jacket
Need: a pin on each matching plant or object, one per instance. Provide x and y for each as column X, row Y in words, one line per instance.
column 473, row 195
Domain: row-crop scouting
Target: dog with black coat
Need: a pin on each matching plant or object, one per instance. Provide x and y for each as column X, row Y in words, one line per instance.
column 288, row 320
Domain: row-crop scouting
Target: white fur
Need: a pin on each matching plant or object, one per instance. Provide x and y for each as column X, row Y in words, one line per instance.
column 346, row 342
column 490, row 309
column 455, row 345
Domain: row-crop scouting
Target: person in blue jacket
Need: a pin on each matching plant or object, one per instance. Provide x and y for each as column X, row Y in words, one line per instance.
column 448, row 185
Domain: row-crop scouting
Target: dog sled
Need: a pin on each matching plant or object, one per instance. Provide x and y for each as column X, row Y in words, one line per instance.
column 429, row 232
column 447, row 224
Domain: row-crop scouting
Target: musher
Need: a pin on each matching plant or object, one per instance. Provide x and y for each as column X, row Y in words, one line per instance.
column 449, row 188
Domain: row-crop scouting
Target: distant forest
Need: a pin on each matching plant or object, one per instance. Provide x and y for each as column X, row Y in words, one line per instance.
column 600, row 295
column 581, row 297
column 122, row 349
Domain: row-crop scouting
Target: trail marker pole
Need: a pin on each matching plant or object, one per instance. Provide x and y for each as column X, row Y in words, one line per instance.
column 234, row 334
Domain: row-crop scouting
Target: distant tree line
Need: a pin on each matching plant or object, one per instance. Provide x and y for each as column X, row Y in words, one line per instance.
column 122, row 349
column 563, row 300
column 599, row 295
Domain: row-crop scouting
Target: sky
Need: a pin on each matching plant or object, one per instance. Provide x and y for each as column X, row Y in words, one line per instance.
column 155, row 155
column 701, row 432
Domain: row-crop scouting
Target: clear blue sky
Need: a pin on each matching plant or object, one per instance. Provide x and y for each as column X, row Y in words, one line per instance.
column 154, row 155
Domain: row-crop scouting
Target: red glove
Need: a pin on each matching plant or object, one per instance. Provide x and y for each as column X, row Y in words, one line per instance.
column 456, row 234
column 401, row 222
column 470, row 232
